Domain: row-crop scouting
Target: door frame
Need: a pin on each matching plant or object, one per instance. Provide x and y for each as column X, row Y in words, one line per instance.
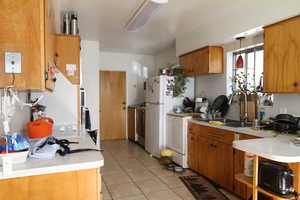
column 126, row 97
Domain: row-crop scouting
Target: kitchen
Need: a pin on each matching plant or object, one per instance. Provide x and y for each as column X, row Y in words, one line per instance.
column 45, row 64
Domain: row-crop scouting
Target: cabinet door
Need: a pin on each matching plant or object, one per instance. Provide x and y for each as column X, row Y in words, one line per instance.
column 68, row 52
column 192, row 151
column 50, row 58
column 224, row 165
column 282, row 57
column 21, row 32
column 201, row 61
column 186, row 64
column 206, row 157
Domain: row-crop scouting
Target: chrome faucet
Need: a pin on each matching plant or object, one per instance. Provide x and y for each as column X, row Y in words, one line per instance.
column 245, row 117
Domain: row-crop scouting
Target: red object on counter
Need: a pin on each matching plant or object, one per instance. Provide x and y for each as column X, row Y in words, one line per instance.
column 40, row 128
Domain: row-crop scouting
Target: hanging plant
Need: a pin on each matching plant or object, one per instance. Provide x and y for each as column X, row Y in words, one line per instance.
column 180, row 80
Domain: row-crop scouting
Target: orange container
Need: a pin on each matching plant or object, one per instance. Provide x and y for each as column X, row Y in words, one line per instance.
column 40, row 128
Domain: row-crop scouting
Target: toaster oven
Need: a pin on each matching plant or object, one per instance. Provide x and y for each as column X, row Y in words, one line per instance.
column 275, row 178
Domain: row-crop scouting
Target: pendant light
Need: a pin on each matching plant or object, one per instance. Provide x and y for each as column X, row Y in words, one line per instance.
column 240, row 61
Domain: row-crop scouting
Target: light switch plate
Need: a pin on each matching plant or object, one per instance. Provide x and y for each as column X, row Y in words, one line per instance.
column 13, row 62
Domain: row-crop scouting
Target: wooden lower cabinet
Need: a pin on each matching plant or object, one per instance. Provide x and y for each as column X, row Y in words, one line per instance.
column 74, row 185
column 210, row 153
column 193, row 151
column 209, row 156
column 224, row 165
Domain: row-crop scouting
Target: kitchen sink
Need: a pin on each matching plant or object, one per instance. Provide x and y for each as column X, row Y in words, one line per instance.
column 238, row 124
column 228, row 122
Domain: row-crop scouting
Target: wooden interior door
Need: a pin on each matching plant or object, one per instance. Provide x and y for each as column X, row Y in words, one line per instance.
column 112, row 105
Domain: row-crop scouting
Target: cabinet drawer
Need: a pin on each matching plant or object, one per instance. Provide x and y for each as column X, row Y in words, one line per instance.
column 212, row 133
column 220, row 135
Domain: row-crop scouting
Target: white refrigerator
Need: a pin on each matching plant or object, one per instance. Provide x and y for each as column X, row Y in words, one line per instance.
column 159, row 101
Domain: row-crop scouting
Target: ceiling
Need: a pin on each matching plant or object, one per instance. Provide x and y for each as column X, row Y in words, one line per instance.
column 104, row 21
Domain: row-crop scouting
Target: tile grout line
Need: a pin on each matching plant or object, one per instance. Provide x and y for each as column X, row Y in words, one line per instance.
column 162, row 180
column 129, row 177
column 147, row 169
column 156, row 176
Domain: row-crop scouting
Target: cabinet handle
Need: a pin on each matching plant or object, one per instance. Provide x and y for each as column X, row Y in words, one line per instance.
column 295, row 84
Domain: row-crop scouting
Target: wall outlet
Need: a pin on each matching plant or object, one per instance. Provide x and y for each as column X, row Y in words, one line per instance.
column 13, row 62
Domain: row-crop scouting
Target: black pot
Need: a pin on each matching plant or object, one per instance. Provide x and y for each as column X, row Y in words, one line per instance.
column 285, row 123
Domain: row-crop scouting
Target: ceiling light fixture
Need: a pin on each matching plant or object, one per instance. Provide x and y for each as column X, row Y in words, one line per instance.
column 144, row 13
column 250, row 32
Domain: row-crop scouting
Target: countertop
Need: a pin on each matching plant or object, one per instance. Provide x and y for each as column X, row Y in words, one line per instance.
column 182, row 115
column 277, row 148
column 70, row 162
column 244, row 130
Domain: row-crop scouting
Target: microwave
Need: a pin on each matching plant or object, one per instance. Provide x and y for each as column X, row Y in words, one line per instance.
column 275, row 178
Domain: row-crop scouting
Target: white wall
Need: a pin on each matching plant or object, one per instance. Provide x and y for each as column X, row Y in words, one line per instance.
column 134, row 65
column 165, row 57
column 90, row 54
column 245, row 15
column 61, row 103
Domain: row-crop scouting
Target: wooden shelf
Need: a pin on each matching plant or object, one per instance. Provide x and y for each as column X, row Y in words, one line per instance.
column 244, row 179
column 249, row 183
column 274, row 196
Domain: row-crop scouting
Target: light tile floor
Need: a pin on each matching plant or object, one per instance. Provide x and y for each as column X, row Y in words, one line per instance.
column 129, row 173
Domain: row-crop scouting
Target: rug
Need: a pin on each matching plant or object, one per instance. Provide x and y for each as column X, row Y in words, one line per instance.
column 202, row 189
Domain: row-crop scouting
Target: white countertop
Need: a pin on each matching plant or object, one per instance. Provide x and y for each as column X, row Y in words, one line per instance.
column 244, row 130
column 70, row 162
column 276, row 148
column 279, row 148
column 181, row 115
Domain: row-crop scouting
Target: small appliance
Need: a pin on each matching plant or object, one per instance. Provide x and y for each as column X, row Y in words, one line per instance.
column 40, row 128
column 275, row 178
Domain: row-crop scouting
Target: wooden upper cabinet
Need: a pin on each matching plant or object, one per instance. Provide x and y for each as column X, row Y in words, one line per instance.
column 27, row 27
column 68, row 53
column 282, row 57
column 207, row 60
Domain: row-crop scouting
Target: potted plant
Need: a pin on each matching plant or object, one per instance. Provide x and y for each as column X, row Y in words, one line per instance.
column 180, row 80
column 244, row 88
